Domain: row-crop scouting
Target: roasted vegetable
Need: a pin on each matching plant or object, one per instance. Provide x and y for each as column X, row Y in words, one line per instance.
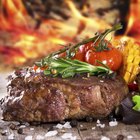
column 131, row 61
column 108, row 55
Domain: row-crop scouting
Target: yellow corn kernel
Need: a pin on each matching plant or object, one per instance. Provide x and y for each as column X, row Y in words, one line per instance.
column 127, row 76
column 136, row 46
column 131, row 52
column 132, row 78
column 130, row 58
column 129, row 67
column 125, row 51
column 136, row 70
column 136, row 52
column 136, row 60
column 131, row 61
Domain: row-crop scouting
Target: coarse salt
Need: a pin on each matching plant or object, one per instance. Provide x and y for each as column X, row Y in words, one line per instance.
column 68, row 136
column 99, row 124
column 11, row 137
column 27, row 124
column 51, row 133
column 39, row 137
column 105, row 138
column 29, row 137
column 98, row 121
column 66, row 125
column 32, row 129
column 81, row 125
column 22, row 126
column 1, row 121
column 102, row 125
column 59, row 126
column 5, row 131
column 113, row 123
column 93, row 128
column 129, row 137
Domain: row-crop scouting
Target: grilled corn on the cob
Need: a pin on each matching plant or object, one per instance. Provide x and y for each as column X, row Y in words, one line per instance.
column 131, row 61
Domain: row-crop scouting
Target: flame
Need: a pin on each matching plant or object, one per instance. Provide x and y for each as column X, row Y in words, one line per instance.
column 30, row 42
column 7, row 51
column 90, row 22
column 27, row 43
column 133, row 28
column 14, row 16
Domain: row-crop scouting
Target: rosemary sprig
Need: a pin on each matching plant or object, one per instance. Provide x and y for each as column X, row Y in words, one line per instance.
column 66, row 67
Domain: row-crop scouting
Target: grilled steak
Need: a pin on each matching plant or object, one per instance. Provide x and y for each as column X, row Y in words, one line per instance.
column 35, row 97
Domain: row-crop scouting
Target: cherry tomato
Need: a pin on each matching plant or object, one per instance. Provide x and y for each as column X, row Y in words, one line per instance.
column 112, row 57
column 81, row 52
column 79, row 56
column 88, row 53
column 84, row 48
column 62, row 55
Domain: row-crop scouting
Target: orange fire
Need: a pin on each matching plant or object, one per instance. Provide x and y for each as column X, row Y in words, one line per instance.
column 25, row 42
column 133, row 29
column 15, row 15
column 133, row 26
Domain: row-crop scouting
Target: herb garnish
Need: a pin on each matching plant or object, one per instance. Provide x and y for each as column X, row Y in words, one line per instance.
column 66, row 67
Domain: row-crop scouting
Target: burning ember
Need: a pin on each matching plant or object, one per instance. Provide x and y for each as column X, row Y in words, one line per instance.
column 22, row 41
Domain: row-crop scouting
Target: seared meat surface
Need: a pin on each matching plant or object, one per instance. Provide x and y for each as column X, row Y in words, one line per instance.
column 35, row 97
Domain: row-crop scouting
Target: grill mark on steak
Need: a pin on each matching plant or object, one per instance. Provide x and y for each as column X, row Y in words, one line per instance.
column 37, row 97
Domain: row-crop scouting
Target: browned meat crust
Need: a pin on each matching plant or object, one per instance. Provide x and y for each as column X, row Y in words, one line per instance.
column 36, row 97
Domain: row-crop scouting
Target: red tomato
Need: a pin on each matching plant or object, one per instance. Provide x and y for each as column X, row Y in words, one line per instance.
column 87, row 53
column 91, row 57
column 62, row 55
column 112, row 57
column 80, row 54
column 84, row 48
